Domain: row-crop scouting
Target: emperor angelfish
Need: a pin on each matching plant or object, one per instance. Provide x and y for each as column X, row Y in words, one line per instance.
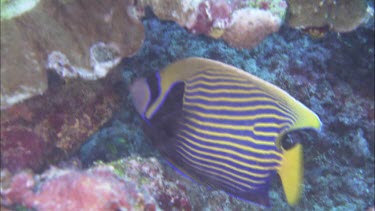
column 223, row 127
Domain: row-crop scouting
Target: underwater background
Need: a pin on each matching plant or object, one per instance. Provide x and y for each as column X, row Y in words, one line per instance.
column 333, row 75
column 339, row 162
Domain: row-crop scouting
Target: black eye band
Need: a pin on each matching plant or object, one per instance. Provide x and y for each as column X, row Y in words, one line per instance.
column 153, row 83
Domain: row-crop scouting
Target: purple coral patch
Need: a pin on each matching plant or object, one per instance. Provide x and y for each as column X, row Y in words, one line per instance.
column 21, row 148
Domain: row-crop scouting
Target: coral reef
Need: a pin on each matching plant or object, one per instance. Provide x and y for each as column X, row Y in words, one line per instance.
column 22, row 148
column 242, row 24
column 131, row 184
column 100, row 48
column 340, row 16
column 333, row 76
column 86, row 39
column 276, row 7
column 76, row 38
column 42, row 129
column 98, row 189
column 46, row 128
column 168, row 192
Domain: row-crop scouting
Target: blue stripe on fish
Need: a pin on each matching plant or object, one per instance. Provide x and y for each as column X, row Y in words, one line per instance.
column 256, row 122
column 224, row 110
column 253, row 176
column 206, row 76
column 235, row 131
column 245, row 161
column 221, row 170
column 212, row 83
column 261, row 153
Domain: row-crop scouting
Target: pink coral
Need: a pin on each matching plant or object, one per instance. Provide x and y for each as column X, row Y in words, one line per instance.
column 129, row 184
column 211, row 14
column 250, row 26
column 99, row 189
column 20, row 188
column 169, row 194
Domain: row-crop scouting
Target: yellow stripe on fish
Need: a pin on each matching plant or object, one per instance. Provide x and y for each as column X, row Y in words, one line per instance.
column 231, row 117
column 234, row 149
column 220, row 150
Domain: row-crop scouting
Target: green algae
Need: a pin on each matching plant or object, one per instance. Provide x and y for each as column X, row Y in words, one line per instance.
column 276, row 7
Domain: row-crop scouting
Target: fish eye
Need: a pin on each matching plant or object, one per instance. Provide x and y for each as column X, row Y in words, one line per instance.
column 292, row 138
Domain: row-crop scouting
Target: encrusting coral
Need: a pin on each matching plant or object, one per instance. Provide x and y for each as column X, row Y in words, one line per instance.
column 340, row 16
column 77, row 38
column 248, row 21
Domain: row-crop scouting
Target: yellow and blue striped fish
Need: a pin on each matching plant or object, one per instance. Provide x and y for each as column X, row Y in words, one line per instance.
column 223, row 127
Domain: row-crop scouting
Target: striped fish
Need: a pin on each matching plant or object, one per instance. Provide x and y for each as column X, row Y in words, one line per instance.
column 223, row 127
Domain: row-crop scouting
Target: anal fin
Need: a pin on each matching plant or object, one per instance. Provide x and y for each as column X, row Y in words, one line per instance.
column 291, row 173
